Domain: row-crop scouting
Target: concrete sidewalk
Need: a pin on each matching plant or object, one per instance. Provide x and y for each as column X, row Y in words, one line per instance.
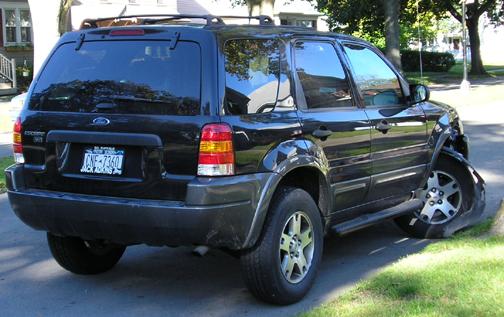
column 451, row 84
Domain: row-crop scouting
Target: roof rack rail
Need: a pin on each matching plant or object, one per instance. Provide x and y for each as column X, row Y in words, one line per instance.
column 160, row 18
column 263, row 19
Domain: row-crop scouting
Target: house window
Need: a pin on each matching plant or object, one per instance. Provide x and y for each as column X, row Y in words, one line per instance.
column 306, row 23
column 17, row 26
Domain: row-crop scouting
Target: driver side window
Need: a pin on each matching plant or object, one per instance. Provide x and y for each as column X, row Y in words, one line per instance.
column 379, row 85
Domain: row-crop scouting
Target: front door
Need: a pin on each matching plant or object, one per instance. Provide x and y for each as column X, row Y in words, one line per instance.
column 398, row 131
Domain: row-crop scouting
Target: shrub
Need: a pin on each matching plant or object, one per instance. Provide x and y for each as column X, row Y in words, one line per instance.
column 431, row 61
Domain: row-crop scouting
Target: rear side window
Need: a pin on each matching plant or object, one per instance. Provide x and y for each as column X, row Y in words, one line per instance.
column 134, row 77
column 322, row 77
column 252, row 76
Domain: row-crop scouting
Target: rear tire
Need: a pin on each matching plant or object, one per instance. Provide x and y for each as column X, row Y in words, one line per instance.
column 281, row 267
column 449, row 193
column 82, row 257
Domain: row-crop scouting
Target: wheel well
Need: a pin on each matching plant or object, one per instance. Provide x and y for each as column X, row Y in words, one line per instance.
column 311, row 181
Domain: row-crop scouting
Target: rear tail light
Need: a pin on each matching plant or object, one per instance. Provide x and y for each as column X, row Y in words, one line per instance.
column 16, row 138
column 216, row 155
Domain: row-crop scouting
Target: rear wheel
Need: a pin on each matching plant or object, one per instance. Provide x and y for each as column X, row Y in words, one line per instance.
column 281, row 267
column 84, row 257
column 448, row 193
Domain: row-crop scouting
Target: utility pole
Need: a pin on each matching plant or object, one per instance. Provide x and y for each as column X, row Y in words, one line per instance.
column 465, row 86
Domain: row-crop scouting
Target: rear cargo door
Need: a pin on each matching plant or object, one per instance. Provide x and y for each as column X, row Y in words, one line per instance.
column 116, row 118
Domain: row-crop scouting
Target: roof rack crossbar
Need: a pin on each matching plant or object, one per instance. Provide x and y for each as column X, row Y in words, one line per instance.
column 159, row 18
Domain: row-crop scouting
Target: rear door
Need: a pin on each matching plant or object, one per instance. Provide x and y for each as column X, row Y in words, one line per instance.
column 332, row 121
column 398, row 131
column 116, row 118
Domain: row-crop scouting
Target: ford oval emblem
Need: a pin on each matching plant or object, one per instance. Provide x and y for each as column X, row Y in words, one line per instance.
column 101, row 121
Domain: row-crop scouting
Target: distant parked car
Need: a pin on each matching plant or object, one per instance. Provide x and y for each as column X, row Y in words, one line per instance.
column 16, row 104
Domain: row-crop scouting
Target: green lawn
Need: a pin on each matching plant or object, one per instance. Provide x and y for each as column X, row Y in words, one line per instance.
column 456, row 72
column 461, row 276
column 478, row 95
column 4, row 163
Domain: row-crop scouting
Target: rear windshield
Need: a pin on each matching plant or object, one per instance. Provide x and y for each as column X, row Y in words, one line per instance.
column 134, row 77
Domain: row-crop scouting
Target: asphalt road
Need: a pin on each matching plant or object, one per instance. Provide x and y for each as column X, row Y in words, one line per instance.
column 172, row 282
column 5, row 144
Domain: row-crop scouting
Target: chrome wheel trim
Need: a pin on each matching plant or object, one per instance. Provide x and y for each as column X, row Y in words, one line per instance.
column 296, row 247
column 442, row 197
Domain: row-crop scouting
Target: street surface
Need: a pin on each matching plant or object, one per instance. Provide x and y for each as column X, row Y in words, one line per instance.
column 172, row 282
column 5, row 144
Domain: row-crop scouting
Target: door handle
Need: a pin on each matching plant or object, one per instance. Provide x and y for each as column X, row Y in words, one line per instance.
column 319, row 134
column 383, row 126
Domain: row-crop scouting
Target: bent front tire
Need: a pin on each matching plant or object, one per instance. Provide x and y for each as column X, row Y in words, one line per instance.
column 448, row 194
column 84, row 257
column 281, row 267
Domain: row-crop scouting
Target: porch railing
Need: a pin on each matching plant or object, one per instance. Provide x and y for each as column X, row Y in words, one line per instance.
column 8, row 69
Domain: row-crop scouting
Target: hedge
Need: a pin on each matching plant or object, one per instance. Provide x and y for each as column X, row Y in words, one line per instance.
column 431, row 61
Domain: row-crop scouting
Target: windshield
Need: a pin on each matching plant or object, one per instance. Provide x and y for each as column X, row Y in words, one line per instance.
column 136, row 77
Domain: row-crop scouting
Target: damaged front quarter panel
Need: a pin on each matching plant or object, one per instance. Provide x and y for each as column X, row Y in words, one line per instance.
column 473, row 214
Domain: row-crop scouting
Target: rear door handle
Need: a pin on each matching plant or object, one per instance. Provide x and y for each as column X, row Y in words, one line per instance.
column 319, row 134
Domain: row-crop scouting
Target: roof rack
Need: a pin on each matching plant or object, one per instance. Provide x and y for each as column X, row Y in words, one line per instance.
column 166, row 18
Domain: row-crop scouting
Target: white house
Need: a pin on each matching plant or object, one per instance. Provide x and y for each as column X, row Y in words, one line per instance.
column 286, row 12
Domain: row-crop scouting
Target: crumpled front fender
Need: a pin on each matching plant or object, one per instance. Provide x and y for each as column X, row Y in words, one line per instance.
column 473, row 214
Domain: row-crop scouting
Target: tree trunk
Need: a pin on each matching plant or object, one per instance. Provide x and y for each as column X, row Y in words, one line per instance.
column 391, row 9
column 64, row 14
column 474, row 39
column 261, row 7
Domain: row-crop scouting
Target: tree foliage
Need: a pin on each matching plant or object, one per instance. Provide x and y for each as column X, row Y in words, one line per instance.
column 372, row 19
column 366, row 19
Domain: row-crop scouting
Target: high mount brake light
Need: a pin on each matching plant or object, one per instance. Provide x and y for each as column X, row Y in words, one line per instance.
column 216, row 154
column 18, row 146
column 127, row 32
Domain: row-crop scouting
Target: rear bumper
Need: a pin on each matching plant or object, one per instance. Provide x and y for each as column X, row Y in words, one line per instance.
column 218, row 212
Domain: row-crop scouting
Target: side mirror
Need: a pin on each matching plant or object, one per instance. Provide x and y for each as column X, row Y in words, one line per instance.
column 419, row 93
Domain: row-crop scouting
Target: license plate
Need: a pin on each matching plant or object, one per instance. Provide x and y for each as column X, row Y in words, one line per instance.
column 103, row 160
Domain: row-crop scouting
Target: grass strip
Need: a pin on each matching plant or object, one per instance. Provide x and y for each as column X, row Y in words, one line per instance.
column 460, row 276
column 4, row 163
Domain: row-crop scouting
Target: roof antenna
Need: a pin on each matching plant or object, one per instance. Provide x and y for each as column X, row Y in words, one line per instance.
column 419, row 42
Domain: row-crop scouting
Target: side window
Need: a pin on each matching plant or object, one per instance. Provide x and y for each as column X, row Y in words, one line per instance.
column 378, row 83
column 321, row 75
column 252, row 76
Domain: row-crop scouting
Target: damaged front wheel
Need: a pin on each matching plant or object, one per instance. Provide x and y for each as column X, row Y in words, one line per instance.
column 447, row 195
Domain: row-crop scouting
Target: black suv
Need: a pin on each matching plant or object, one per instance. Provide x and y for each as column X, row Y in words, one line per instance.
column 257, row 139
